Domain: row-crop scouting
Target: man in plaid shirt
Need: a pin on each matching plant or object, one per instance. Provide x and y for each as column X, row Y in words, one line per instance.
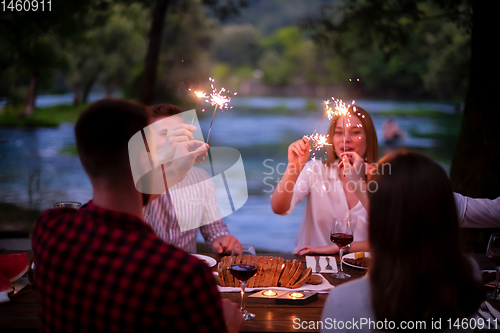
column 101, row 268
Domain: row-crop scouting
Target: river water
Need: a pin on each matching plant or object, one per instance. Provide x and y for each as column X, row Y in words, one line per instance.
column 34, row 172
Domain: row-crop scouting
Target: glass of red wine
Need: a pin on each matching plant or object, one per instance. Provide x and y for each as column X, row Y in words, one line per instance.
column 342, row 235
column 493, row 253
column 243, row 265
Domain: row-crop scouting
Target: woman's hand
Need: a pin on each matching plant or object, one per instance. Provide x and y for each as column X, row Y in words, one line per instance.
column 299, row 151
column 354, row 167
column 307, row 249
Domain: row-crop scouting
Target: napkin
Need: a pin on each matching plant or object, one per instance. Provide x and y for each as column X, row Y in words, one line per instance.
column 323, row 287
column 311, row 262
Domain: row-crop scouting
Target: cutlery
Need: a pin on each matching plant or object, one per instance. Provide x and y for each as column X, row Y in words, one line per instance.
column 318, row 267
column 328, row 263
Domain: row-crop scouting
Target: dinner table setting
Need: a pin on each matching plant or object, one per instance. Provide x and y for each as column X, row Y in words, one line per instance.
column 276, row 292
column 272, row 307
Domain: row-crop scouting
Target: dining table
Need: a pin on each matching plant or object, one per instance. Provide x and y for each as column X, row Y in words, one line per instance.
column 21, row 313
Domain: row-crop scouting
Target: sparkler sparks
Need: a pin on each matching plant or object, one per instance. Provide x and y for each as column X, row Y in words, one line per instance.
column 317, row 142
column 219, row 99
column 338, row 108
column 333, row 107
column 200, row 94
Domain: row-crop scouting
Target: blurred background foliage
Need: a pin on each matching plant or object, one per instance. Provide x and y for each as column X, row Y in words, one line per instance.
column 266, row 49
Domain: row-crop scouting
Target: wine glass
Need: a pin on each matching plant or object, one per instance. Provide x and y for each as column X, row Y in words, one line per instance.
column 243, row 265
column 342, row 235
column 68, row 204
column 493, row 253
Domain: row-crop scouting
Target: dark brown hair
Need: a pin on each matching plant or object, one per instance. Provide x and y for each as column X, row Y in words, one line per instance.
column 370, row 134
column 164, row 110
column 102, row 134
column 418, row 270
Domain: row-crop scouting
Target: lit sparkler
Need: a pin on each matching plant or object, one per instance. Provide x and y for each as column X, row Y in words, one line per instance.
column 200, row 95
column 219, row 99
column 338, row 108
column 317, row 142
column 342, row 110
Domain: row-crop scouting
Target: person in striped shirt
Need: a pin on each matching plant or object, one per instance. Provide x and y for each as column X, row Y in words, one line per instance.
column 195, row 209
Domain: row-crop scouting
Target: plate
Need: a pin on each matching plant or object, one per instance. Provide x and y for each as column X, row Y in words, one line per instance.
column 211, row 262
column 351, row 256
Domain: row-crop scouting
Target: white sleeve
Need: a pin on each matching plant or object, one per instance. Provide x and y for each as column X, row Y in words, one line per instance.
column 301, row 188
column 478, row 213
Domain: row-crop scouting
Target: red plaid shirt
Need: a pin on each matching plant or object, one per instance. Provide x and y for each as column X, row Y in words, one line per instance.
column 99, row 270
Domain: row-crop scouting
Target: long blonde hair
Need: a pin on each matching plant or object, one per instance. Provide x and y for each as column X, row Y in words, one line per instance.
column 371, row 155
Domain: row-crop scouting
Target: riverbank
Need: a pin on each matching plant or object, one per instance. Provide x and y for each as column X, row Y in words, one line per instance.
column 51, row 116
column 17, row 222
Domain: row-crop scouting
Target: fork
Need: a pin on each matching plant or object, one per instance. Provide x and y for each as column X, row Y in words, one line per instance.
column 328, row 263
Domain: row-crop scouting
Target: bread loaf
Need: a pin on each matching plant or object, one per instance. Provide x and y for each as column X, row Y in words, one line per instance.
column 294, row 274
column 271, row 272
column 304, row 276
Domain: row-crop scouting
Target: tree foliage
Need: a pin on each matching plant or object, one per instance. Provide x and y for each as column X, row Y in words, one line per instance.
column 35, row 40
column 111, row 53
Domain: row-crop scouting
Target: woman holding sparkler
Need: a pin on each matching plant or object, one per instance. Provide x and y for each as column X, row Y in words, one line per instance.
column 330, row 194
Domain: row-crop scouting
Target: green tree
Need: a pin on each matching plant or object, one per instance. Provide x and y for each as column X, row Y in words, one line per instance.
column 159, row 9
column 111, row 53
column 424, row 59
column 288, row 58
column 185, row 53
column 448, row 62
column 35, row 39
column 237, row 45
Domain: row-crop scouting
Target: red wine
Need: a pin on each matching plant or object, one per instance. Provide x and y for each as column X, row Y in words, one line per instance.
column 243, row 272
column 341, row 239
column 495, row 258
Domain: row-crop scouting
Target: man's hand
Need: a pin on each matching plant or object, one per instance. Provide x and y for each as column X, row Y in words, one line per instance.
column 224, row 244
column 180, row 133
column 186, row 153
column 232, row 316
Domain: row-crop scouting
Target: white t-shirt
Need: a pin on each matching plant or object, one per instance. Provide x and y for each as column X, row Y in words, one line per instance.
column 325, row 201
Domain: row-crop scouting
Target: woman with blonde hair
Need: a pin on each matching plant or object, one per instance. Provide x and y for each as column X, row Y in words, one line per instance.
column 329, row 194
